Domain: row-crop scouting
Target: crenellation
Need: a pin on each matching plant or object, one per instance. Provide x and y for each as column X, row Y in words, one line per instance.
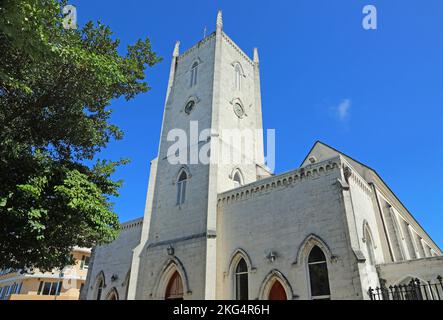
column 275, row 182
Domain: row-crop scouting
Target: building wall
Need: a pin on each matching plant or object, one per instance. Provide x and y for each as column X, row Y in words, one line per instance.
column 425, row 269
column 191, row 227
column 363, row 228
column 72, row 278
column 182, row 225
column 113, row 259
column 280, row 218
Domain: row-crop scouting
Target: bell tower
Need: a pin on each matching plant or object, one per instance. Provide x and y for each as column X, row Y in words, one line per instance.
column 211, row 141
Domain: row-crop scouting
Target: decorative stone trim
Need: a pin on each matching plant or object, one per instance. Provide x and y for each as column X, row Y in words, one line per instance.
column 278, row 182
column 172, row 241
column 359, row 256
column 275, row 275
column 351, row 174
column 235, row 257
column 237, row 48
column 198, row 45
column 132, row 224
column 172, row 264
column 307, row 244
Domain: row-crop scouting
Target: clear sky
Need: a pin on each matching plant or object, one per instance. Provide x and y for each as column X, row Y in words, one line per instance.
column 376, row 95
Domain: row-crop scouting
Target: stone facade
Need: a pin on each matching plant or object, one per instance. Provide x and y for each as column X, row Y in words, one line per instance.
column 112, row 264
column 233, row 212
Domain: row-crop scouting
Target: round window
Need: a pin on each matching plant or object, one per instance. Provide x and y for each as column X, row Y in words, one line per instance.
column 239, row 111
column 190, row 106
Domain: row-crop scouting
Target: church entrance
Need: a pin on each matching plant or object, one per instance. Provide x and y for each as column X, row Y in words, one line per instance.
column 277, row 292
column 174, row 290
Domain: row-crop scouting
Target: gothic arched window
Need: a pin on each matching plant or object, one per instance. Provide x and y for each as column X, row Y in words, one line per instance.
column 238, row 75
column 238, row 180
column 100, row 285
column 174, row 289
column 241, row 280
column 318, row 274
column 397, row 234
column 194, row 70
column 181, row 187
column 369, row 246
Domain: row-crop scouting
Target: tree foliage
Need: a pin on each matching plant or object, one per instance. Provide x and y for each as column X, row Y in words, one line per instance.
column 56, row 86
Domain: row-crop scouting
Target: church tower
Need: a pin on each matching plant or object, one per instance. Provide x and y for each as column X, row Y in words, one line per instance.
column 213, row 101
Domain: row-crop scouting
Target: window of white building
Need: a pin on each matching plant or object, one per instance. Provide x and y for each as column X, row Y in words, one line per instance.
column 181, row 187
column 194, row 72
column 241, row 280
column 238, row 76
column 318, row 275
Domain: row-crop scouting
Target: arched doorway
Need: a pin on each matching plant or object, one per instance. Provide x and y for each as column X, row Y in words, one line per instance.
column 277, row 292
column 174, row 289
column 112, row 295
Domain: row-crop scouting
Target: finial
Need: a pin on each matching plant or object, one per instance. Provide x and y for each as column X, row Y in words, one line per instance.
column 219, row 20
column 176, row 49
column 256, row 55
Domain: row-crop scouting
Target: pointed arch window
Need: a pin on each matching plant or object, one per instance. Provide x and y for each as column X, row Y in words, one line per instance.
column 174, row 289
column 181, row 187
column 318, row 275
column 99, row 289
column 238, row 76
column 397, row 234
column 241, row 280
column 238, row 179
column 369, row 247
column 194, row 72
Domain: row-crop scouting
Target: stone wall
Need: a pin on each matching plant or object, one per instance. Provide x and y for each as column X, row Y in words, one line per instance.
column 112, row 262
column 283, row 215
column 425, row 269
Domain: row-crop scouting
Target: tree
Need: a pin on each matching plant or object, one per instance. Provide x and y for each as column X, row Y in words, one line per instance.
column 56, row 86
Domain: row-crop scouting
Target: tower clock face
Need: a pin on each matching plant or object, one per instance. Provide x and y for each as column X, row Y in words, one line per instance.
column 238, row 110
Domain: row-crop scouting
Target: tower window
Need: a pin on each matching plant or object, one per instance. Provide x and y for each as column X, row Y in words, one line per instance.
column 238, row 75
column 318, row 274
column 181, row 187
column 238, row 181
column 194, row 71
column 241, row 280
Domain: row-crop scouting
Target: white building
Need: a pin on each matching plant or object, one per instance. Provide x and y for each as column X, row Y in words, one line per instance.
column 327, row 230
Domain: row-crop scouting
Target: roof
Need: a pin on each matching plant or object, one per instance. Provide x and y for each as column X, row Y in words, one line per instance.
column 372, row 171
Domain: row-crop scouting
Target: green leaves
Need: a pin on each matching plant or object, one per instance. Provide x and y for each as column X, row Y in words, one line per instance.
column 56, row 87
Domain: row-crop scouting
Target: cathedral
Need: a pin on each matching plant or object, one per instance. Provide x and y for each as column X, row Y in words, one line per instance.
column 329, row 229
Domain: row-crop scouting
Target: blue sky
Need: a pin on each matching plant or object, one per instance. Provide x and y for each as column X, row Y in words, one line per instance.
column 376, row 95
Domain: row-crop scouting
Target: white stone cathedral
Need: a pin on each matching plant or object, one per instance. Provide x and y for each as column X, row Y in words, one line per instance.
column 330, row 229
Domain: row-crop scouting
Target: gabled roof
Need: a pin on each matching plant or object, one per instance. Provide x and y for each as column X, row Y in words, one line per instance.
column 370, row 175
column 321, row 145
